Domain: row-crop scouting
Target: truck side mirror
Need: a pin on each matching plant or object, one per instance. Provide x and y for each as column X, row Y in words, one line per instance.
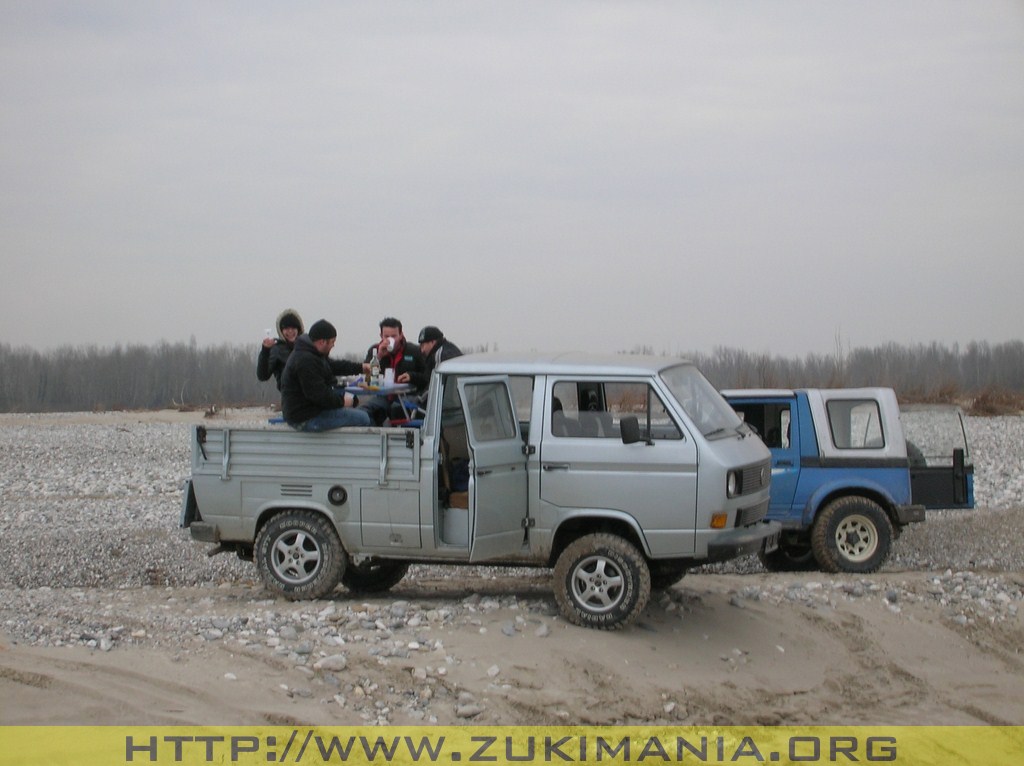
column 630, row 429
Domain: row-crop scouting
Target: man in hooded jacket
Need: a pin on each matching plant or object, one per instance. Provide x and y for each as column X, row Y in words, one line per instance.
column 274, row 352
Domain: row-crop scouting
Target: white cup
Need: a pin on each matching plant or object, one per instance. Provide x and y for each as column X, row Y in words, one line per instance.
column 389, row 376
column 391, row 344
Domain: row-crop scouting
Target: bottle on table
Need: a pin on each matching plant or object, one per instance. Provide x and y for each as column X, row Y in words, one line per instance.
column 375, row 370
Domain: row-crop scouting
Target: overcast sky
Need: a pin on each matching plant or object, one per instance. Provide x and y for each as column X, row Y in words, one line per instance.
column 775, row 177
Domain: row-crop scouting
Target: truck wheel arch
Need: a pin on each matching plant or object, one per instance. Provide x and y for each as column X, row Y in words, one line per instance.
column 269, row 511
column 575, row 527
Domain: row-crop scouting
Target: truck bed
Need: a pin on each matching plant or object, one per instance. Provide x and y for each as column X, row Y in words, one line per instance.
column 375, row 455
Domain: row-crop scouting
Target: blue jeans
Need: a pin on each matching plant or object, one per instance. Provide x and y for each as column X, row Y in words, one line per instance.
column 340, row 418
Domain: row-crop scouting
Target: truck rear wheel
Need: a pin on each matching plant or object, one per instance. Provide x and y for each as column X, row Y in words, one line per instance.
column 374, row 575
column 601, row 581
column 852, row 534
column 299, row 556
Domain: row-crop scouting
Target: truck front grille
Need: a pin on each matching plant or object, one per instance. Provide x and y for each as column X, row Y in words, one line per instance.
column 754, row 478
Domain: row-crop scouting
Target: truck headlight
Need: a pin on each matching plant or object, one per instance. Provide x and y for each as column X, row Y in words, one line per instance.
column 731, row 484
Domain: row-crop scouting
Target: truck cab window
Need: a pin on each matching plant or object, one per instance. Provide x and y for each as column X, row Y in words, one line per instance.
column 593, row 410
column 770, row 420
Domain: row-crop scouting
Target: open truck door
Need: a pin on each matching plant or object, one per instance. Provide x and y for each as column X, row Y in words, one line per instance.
column 498, row 479
column 941, row 467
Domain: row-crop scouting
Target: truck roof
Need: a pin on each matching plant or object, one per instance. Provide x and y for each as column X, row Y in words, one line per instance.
column 565, row 362
column 873, row 392
column 892, row 445
column 758, row 393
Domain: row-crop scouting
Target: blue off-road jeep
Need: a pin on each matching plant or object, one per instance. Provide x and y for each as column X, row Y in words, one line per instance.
column 848, row 472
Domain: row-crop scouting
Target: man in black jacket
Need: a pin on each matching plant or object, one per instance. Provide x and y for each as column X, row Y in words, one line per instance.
column 435, row 348
column 309, row 400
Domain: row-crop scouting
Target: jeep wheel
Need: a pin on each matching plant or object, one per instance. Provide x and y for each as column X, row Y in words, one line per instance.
column 789, row 557
column 601, row 581
column 666, row 572
column 852, row 534
column 374, row 575
column 299, row 555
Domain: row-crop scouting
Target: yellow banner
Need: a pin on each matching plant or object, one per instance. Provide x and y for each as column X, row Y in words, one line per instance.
column 314, row 745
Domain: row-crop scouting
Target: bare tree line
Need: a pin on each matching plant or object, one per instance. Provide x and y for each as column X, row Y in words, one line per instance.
column 182, row 375
column 931, row 372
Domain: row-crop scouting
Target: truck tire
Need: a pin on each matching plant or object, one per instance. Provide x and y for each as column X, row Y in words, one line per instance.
column 666, row 572
column 299, row 556
column 601, row 581
column 374, row 575
column 789, row 557
column 852, row 534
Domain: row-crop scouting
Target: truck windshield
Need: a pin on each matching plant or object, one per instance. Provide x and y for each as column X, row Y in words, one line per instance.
column 699, row 399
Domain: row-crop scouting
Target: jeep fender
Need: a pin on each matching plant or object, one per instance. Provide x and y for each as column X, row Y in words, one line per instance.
column 827, row 492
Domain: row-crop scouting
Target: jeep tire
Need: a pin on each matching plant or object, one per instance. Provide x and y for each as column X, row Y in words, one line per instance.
column 852, row 534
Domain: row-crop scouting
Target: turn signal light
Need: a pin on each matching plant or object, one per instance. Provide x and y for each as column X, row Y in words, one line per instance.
column 719, row 520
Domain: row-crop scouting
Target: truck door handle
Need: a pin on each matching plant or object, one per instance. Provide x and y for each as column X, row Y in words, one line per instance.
column 483, row 471
column 785, row 463
column 556, row 466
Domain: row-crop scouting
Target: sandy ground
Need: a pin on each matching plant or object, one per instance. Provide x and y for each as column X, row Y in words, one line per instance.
column 705, row 653
column 701, row 657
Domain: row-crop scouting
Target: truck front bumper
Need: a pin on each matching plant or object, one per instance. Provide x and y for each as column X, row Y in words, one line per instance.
column 744, row 541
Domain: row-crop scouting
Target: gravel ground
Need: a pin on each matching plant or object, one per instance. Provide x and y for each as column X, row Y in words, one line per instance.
column 93, row 557
column 96, row 504
column 988, row 537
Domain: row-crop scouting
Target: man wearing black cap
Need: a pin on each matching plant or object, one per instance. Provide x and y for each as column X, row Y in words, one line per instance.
column 274, row 352
column 309, row 401
column 435, row 349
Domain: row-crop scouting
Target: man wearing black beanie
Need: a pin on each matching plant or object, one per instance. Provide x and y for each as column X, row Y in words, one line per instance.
column 309, row 400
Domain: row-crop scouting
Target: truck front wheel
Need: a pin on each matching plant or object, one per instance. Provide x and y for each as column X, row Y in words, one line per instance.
column 601, row 581
column 299, row 556
column 852, row 534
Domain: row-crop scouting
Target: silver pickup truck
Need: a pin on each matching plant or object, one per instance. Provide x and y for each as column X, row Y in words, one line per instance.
column 619, row 472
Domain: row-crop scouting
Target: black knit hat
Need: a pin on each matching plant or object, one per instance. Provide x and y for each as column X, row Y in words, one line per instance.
column 322, row 330
column 430, row 333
